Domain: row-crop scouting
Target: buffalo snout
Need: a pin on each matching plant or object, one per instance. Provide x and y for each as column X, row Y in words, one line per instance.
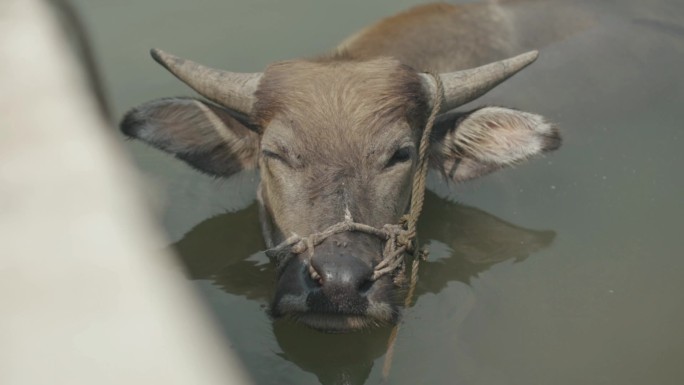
column 333, row 290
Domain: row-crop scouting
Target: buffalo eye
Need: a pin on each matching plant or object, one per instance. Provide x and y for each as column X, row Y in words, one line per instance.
column 275, row 156
column 402, row 155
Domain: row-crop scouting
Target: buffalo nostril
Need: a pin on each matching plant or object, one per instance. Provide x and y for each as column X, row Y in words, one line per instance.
column 341, row 273
column 365, row 286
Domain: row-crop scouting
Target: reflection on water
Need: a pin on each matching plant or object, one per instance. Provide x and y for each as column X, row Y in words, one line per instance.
column 599, row 302
column 333, row 358
column 476, row 241
column 231, row 260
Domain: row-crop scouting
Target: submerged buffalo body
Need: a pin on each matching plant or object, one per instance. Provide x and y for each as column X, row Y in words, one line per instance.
column 339, row 134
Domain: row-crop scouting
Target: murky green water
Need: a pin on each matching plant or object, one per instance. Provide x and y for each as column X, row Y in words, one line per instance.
column 567, row 270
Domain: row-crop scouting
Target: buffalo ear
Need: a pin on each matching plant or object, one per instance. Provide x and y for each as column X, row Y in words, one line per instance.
column 472, row 144
column 207, row 137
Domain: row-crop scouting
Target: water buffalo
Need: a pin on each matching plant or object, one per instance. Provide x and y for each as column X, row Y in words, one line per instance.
column 339, row 134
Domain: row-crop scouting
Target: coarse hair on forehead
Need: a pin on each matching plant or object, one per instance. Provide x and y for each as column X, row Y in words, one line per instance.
column 343, row 89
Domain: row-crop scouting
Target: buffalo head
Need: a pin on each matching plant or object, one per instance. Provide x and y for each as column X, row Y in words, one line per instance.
column 330, row 136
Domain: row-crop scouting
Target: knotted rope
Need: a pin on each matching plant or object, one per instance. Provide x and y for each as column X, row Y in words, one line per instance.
column 399, row 238
column 417, row 198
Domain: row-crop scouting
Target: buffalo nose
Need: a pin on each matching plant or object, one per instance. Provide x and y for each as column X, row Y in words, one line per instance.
column 342, row 274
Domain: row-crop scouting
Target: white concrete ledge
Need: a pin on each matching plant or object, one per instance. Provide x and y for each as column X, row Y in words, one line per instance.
column 84, row 297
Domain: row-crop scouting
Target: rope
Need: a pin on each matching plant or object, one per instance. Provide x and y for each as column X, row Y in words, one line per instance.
column 389, row 356
column 417, row 199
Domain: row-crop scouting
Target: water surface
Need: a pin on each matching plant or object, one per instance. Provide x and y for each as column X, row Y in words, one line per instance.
column 565, row 270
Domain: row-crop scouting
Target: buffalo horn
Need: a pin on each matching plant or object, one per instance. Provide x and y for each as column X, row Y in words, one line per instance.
column 461, row 87
column 230, row 89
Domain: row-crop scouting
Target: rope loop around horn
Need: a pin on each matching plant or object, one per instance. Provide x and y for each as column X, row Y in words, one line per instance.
column 461, row 87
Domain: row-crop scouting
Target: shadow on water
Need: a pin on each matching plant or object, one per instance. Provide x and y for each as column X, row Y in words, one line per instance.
column 226, row 249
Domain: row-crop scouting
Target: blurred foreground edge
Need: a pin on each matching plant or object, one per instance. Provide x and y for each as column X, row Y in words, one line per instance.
column 86, row 296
